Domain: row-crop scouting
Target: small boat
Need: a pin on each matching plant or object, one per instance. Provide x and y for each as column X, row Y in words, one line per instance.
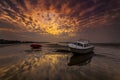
column 35, row 46
column 81, row 47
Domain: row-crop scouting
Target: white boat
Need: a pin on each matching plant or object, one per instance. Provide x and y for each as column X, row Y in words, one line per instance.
column 81, row 47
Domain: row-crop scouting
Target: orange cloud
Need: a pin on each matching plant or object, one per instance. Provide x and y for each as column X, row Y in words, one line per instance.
column 57, row 17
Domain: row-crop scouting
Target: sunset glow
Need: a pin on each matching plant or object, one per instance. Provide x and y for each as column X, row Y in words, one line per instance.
column 59, row 39
column 57, row 17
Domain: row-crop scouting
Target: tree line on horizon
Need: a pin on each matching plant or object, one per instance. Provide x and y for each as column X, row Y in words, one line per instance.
column 3, row 41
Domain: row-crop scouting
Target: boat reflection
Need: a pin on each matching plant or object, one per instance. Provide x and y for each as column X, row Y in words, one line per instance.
column 32, row 50
column 35, row 50
column 80, row 60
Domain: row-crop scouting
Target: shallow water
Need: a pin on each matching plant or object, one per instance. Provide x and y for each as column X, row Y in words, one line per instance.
column 53, row 62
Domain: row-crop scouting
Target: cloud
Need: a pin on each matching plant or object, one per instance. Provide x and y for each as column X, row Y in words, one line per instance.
column 10, row 27
column 57, row 17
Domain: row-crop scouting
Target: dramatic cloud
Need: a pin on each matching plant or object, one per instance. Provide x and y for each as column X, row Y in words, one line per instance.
column 59, row 16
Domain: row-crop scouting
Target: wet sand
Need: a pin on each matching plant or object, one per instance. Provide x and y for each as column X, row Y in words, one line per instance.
column 54, row 62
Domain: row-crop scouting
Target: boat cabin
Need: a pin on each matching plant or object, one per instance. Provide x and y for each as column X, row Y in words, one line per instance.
column 82, row 44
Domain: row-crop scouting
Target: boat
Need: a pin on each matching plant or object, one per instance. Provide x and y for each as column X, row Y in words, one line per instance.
column 81, row 47
column 35, row 46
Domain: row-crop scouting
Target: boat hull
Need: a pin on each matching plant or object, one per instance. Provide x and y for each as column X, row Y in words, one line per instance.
column 81, row 51
column 35, row 46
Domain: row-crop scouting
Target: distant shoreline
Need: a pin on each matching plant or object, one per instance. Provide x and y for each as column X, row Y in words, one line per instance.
column 106, row 44
column 3, row 41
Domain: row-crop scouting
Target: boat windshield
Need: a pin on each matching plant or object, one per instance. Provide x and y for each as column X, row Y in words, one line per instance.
column 86, row 45
column 79, row 44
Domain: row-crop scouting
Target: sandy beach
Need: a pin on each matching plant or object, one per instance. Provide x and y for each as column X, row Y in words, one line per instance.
column 54, row 62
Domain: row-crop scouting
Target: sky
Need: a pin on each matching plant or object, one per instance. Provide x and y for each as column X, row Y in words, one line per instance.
column 60, row 20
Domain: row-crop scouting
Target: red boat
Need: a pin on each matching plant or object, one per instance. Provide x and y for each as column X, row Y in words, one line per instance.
column 35, row 46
